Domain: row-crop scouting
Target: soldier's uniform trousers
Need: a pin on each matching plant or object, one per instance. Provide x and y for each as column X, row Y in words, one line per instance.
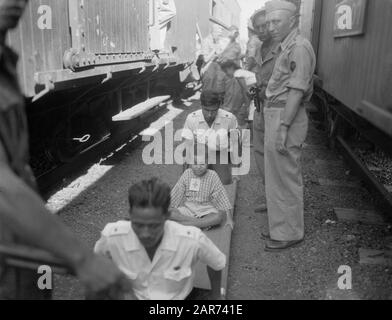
column 258, row 142
column 283, row 173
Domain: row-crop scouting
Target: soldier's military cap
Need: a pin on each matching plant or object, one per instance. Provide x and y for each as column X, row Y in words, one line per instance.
column 276, row 5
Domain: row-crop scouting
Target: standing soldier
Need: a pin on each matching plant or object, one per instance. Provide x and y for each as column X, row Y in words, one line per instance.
column 286, row 125
column 263, row 66
column 23, row 216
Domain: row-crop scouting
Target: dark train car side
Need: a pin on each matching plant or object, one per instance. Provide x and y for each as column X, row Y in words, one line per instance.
column 353, row 41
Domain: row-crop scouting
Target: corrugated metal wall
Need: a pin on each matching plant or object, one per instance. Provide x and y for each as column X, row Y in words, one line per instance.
column 358, row 69
column 99, row 28
column 116, row 26
column 40, row 50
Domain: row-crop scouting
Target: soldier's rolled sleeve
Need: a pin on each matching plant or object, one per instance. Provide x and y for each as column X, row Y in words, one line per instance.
column 209, row 254
column 302, row 75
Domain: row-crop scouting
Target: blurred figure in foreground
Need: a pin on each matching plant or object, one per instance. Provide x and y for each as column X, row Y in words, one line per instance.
column 23, row 216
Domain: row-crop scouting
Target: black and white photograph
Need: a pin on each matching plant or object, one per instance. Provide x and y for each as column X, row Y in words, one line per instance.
column 209, row 153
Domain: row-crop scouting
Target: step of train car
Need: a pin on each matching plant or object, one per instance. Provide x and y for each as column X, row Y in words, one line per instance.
column 222, row 238
column 140, row 109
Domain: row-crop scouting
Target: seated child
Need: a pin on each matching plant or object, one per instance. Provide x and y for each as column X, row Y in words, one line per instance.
column 157, row 255
column 199, row 198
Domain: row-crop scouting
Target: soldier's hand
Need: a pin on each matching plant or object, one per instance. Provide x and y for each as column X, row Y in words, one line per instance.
column 102, row 279
column 281, row 141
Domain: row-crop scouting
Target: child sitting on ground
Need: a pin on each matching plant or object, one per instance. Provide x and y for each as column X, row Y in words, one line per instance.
column 199, row 198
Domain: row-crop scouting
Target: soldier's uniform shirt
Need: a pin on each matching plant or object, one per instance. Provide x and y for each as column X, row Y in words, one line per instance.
column 266, row 59
column 171, row 274
column 252, row 48
column 216, row 136
column 294, row 69
column 200, row 195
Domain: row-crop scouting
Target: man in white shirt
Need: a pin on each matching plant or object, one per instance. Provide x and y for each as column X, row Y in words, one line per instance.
column 159, row 256
column 216, row 129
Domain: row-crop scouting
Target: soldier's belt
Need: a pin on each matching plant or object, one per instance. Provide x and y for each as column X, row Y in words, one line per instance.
column 274, row 104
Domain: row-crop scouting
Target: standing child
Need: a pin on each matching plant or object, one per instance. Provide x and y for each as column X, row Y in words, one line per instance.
column 246, row 81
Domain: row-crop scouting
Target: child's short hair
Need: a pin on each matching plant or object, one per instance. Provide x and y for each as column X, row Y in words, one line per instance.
column 150, row 193
column 230, row 64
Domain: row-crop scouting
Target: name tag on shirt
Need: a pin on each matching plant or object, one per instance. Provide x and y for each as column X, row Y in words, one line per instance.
column 195, row 185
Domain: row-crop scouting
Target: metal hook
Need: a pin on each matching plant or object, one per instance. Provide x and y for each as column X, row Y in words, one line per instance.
column 109, row 76
column 49, row 86
column 83, row 139
column 155, row 68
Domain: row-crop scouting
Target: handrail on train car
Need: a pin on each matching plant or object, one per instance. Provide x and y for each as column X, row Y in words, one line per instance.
column 219, row 22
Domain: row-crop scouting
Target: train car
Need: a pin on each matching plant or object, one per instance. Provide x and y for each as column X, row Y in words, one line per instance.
column 85, row 62
column 353, row 42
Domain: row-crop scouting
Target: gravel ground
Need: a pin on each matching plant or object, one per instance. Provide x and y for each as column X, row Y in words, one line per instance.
column 380, row 161
column 311, row 270
column 307, row 272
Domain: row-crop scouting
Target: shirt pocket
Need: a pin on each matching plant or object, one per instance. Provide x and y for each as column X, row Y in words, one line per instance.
column 177, row 281
column 178, row 275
